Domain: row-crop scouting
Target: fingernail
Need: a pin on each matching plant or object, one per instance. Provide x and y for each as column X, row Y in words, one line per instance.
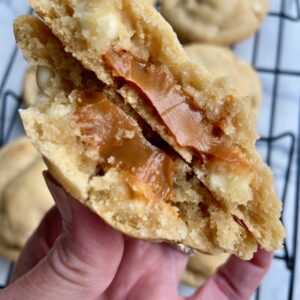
column 60, row 197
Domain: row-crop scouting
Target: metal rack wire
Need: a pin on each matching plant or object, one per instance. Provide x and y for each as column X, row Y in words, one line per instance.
column 289, row 253
column 271, row 142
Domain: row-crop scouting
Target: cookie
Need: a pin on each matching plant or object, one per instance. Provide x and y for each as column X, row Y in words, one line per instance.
column 11, row 253
column 152, row 2
column 24, row 197
column 143, row 136
column 222, row 62
column 30, row 87
column 14, row 158
column 215, row 21
column 201, row 267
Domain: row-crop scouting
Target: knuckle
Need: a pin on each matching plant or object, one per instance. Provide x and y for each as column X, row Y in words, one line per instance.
column 67, row 266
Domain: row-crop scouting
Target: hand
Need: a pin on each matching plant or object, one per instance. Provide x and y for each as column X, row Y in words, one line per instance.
column 83, row 258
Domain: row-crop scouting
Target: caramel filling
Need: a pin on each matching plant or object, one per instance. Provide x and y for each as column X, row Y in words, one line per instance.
column 176, row 109
column 120, row 143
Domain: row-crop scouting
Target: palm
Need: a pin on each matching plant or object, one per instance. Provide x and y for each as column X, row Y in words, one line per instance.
column 147, row 271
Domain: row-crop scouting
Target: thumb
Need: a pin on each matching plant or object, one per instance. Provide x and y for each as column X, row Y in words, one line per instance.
column 82, row 262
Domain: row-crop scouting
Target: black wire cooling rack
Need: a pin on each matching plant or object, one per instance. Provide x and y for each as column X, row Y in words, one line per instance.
column 11, row 101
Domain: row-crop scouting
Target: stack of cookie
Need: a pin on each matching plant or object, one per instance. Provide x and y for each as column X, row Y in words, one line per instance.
column 142, row 135
column 141, row 77
column 206, row 28
column 24, row 197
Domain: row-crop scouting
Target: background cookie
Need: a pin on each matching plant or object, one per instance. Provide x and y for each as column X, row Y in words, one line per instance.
column 24, row 197
column 222, row 62
column 201, row 267
column 14, row 158
column 214, row 21
column 151, row 1
column 9, row 252
column 30, row 87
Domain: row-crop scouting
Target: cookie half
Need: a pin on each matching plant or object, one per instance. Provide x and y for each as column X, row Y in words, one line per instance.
column 215, row 21
column 197, row 126
column 222, row 62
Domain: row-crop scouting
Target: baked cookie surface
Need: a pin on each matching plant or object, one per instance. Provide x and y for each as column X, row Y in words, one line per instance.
column 14, row 158
column 128, row 70
column 222, row 62
column 24, row 197
column 214, row 21
column 152, row 2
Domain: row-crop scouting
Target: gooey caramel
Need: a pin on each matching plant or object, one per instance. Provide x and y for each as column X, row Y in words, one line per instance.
column 120, row 143
column 176, row 109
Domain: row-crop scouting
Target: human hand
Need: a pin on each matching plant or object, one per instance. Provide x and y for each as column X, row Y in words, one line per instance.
column 74, row 255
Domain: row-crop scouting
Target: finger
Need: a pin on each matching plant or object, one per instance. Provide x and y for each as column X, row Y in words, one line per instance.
column 147, row 269
column 237, row 279
column 41, row 241
column 82, row 262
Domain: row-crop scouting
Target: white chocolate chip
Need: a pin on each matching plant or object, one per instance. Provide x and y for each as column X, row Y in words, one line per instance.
column 111, row 160
column 101, row 22
column 102, row 27
column 112, row 23
column 129, row 134
column 43, row 76
column 235, row 189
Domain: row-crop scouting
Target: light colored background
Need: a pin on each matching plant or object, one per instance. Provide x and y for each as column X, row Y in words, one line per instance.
column 275, row 284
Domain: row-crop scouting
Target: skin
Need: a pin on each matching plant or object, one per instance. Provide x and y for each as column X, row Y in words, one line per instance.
column 74, row 255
